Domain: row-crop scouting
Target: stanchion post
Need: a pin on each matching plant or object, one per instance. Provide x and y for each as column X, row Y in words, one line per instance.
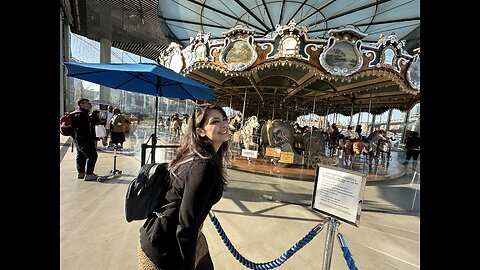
column 154, row 144
column 415, row 194
column 143, row 153
column 327, row 255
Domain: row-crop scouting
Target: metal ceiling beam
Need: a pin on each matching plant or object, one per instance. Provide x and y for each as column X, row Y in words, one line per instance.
column 371, row 19
column 389, row 21
column 195, row 23
column 346, row 91
column 347, row 12
column 310, row 80
column 394, row 28
column 372, row 23
column 268, row 14
column 253, row 15
column 316, row 10
column 225, row 14
column 313, row 91
column 255, row 86
column 218, row 38
column 295, row 13
column 281, row 13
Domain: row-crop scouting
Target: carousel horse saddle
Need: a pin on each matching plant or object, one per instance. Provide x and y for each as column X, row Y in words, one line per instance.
column 357, row 147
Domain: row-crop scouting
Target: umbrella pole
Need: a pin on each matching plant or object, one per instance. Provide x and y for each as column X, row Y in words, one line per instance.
column 154, row 135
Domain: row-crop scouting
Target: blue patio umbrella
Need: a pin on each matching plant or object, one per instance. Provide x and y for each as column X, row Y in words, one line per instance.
column 146, row 78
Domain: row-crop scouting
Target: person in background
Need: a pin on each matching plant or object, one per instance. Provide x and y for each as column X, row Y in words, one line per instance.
column 232, row 125
column 184, row 126
column 297, row 128
column 198, row 178
column 175, row 125
column 412, row 147
column 108, row 126
column 95, row 120
column 358, row 130
column 349, row 134
column 84, row 141
column 334, row 130
column 117, row 128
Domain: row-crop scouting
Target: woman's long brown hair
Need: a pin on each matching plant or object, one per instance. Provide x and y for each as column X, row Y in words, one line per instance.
column 194, row 145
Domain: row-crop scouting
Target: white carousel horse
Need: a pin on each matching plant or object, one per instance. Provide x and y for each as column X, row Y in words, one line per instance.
column 246, row 133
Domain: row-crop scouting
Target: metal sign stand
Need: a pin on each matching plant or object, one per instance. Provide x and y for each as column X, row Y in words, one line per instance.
column 327, row 254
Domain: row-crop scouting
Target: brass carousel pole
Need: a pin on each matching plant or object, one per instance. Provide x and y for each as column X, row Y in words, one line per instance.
column 372, row 126
column 273, row 107
column 368, row 115
column 326, row 116
column 351, row 114
column 404, row 132
column 231, row 96
column 311, row 128
column 359, row 116
column 244, row 103
column 389, row 119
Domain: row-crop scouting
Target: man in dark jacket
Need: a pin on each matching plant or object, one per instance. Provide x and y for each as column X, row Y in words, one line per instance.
column 84, row 140
column 413, row 149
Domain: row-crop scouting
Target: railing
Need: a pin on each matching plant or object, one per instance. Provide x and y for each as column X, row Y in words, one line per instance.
column 332, row 227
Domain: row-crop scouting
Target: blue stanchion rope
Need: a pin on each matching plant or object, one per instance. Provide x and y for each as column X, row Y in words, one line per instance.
column 346, row 252
column 268, row 265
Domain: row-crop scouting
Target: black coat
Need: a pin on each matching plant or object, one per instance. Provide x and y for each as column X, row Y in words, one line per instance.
column 198, row 187
column 412, row 143
column 84, row 130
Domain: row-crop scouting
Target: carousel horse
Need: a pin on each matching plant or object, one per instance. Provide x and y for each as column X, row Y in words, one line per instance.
column 351, row 148
column 377, row 145
column 383, row 150
column 281, row 135
column 246, row 133
column 314, row 143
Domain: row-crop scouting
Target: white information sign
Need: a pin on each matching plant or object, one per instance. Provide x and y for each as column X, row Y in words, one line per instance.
column 249, row 153
column 339, row 193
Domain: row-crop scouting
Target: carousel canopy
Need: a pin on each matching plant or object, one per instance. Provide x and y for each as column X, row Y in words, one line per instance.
column 146, row 27
column 184, row 19
column 290, row 72
column 284, row 56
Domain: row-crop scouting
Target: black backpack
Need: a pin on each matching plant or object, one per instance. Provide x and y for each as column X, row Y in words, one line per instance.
column 147, row 191
column 66, row 128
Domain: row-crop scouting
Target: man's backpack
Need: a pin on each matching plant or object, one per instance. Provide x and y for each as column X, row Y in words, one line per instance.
column 66, row 128
column 146, row 191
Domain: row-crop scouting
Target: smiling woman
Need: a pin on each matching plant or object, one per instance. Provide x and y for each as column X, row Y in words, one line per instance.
column 198, row 178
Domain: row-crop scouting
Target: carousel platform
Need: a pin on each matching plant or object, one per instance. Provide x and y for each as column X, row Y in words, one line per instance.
column 395, row 168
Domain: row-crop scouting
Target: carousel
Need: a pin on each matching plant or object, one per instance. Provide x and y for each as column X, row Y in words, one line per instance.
column 288, row 74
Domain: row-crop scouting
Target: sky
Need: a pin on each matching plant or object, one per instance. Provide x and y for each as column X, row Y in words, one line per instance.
column 86, row 50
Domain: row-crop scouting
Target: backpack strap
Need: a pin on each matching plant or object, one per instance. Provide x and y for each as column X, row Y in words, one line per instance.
column 159, row 211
